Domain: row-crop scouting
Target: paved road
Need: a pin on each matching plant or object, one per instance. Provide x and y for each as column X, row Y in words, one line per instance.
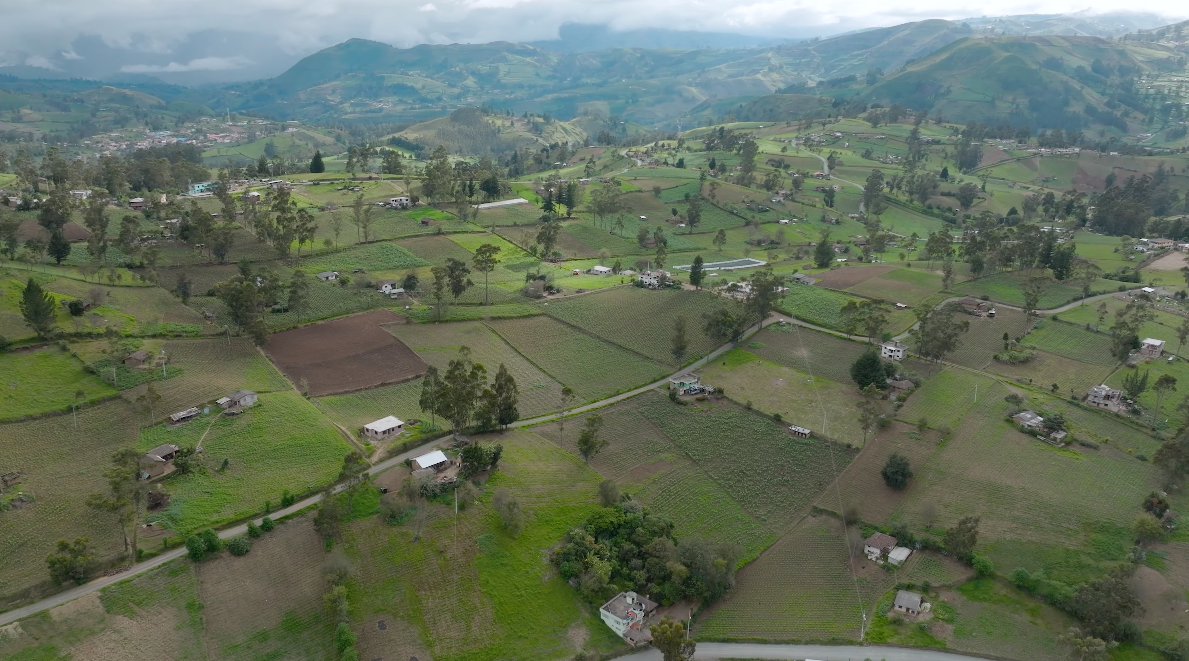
column 707, row 651
column 100, row 583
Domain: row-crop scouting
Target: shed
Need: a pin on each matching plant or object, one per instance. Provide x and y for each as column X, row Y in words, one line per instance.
column 183, row 416
column 384, row 428
column 158, row 461
column 799, row 432
column 237, row 399
column 436, row 460
column 137, row 358
column 899, row 555
column 136, row 203
column 600, row 270
column 327, row 276
column 907, row 602
column 387, row 286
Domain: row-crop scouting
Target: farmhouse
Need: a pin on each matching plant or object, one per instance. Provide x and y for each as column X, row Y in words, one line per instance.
column 625, row 614
column 899, row 554
column 137, row 358
column 237, row 400
column 1151, row 348
column 80, row 194
column 893, row 350
column 875, row 546
column 436, row 460
column 802, row 279
column 158, row 461
column 976, row 307
column 653, row 279
column 897, row 387
column 600, row 270
column 384, row 428
column 136, row 203
column 683, row 384
column 387, row 286
column 327, row 276
column 1028, row 419
column 183, row 416
column 1105, row 397
column 907, row 602
column 399, row 202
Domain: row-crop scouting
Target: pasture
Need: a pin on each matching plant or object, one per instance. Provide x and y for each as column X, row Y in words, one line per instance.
column 46, row 380
column 816, row 305
column 984, row 339
column 1006, row 288
column 356, row 409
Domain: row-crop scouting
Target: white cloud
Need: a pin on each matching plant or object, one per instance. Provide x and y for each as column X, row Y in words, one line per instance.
column 201, row 64
column 70, row 55
column 429, row 6
column 41, row 62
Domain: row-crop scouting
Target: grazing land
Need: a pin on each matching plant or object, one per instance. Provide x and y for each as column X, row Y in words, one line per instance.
column 350, row 353
column 44, row 381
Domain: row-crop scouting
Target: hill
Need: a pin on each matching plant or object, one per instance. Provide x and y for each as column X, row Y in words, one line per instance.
column 883, row 48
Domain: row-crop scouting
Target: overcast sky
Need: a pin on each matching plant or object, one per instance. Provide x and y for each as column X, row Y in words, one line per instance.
column 44, row 33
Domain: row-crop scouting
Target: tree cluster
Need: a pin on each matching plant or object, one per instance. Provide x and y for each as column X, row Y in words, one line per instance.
column 463, row 396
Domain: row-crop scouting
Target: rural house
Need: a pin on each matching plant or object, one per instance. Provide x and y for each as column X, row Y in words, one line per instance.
column 625, row 614
column 240, row 399
column 136, row 203
column 898, row 555
column 436, row 460
column 384, row 428
column 387, row 286
column 158, row 461
column 137, row 358
column 893, row 350
column 183, row 416
column 653, row 279
column 976, row 307
column 1028, row 419
column 80, row 194
column 897, row 387
column 327, row 276
column 399, row 202
column 1151, row 348
column 799, row 432
column 907, row 602
column 877, row 545
column 802, row 279
column 1105, row 397
column 683, row 384
column 600, row 270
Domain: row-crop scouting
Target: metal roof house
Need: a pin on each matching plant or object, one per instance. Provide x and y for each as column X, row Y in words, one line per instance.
column 907, row 602
column 1028, row 419
column 878, row 544
column 238, row 399
column 436, row 460
column 384, row 428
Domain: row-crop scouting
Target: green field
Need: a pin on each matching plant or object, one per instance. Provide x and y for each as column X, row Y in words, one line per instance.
column 1072, row 342
column 46, row 381
column 281, row 444
column 816, row 305
column 1006, row 288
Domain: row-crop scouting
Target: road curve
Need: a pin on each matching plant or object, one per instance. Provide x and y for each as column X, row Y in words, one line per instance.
column 708, row 651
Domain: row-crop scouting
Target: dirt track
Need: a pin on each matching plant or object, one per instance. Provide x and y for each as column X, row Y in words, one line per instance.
column 345, row 354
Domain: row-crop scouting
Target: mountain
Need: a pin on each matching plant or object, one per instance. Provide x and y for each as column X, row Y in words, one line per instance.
column 581, row 38
column 1049, row 82
column 1176, row 35
column 1081, row 24
column 881, row 48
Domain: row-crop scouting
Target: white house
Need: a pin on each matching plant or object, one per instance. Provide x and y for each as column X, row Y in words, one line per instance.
column 875, row 546
column 327, row 276
column 239, row 399
column 1151, row 347
column 898, row 555
column 893, row 350
column 653, row 279
column 600, row 270
column 436, row 460
column 384, row 428
column 80, row 194
column 399, row 202
column 387, row 286
column 625, row 614
column 783, row 221
column 1028, row 419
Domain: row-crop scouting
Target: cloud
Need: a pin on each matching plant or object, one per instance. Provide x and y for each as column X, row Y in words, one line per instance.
column 429, row 6
column 70, row 55
column 41, row 62
column 200, row 64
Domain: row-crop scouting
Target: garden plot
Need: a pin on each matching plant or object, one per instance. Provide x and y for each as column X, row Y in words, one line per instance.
column 945, row 398
column 1045, row 370
column 640, row 320
column 594, row 369
column 438, row 344
column 908, row 286
column 816, row 305
column 1007, row 288
column 350, row 353
column 984, row 339
column 370, row 257
column 282, row 444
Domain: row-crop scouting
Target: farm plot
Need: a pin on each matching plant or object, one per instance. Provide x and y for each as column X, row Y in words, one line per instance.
column 438, row 344
column 1007, row 288
column 815, row 305
column 636, row 448
column 1073, row 342
column 151, row 306
column 436, row 249
column 800, row 589
column 282, row 444
column 372, row 257
column 775, row 491
column 356, row 409
column 851, row 276
column 1071, row 377
column 908, row 286
column 825, row 406
column 351, row 353
column 46, row 381
column 945, row 398
column 592, row 367
column 985, row 338
column 652, row 315
column 51, row 452
column 818, row 354
column 396, row 224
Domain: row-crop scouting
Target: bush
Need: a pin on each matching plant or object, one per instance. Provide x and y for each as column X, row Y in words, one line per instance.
column 195, row 548
column 896, row 473
column 254, row 530
column 344, row 638
column 982, row 565
column 239, row 545
column 266, row 524
column 210, row 541
column 287, row 499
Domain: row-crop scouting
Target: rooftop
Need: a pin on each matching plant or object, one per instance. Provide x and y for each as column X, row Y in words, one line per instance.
column 384, row 424
column 881, row 541
column 906, row 599
column 432, row 459
column 625, row 604
column 158, row 453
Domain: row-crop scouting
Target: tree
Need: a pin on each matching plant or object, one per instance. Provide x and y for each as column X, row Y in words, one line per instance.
column 547, row 238
column 960, row 539
column 511, row 514
column 1173, row 457
column 1135, row 383
column 720, row 240
column 37, row 307
column 441, row 282
column 1085, row 648
column 58, row 247
column 461, row 387
column 670, row 638
column 125, row 496
column 1147, row 528
column 680, row 343
column 868, row 370
column 71, row 562
column 938, row 333
column 1165, row 384
column 608, row 493
column 316, row 164
column 504, row 393
column 391, row 163
column 896, row 472
column 1085, row 273
column 823, row 253
column 693, row 213
column 484, row 262
column 438, row 178
column 726, row 324
column 299, row 291
column 1033, row 289
column 184, row 288
column 1103, row 604
column 661, row 255
column 330, row 516
column 456, row 274
column 697, row 273
column 869, row 414
column 828, row 197
column 967, row 193
column 589, row 443
column 353, row 474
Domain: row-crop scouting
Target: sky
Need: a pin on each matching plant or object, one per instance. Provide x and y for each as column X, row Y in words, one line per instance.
column 238, row 38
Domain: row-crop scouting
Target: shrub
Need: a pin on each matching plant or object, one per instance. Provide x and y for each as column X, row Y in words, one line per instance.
column 253, row 530
column 239, row 545
column 344, row 638
column 896, row 473
column 210, row 541
column 287, row 499
column 982, row 565
column 266, row 524
column 195, row 548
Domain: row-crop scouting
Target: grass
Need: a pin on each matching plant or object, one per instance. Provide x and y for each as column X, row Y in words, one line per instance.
column 984, row 339
column 908, row 286
column 46, row 381
column 1006, row 288
column 282, row 444
column 357, row 409
column 815, row 305
column 652, row 314
column 1073, row 342
column 371, row 257
column 593, row 368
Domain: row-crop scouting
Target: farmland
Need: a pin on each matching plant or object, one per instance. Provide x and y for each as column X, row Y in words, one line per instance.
column 816, row 305
column 47, row 380
column 1006, row 288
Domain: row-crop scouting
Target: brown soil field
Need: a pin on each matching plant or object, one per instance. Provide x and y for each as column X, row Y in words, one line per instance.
column 1173, row 261
column 29, row 229
column 992, row 155
column 849, row 276
column 345, row 354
